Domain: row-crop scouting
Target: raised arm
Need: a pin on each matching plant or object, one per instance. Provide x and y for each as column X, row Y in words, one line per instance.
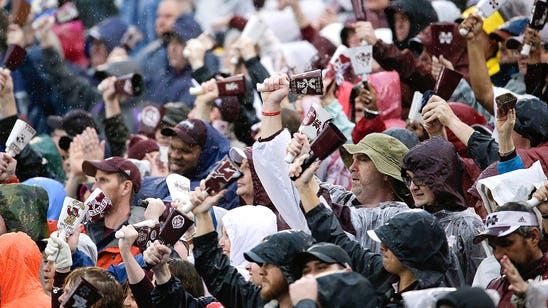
column 222, row 280
column 326, row 228
column 479, row 75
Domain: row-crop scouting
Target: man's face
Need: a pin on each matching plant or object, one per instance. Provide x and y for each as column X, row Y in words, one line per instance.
column 175, row 55
column 508, row 56
column 98, row 54
column 422, row 194
column 245, row 184
column 48, row 271
column 183, row 158
column 110, row 184
column 273, row 283
column 166, row 15
column 254, row 273
column 390, row 262
column 366, row 179
column 520, row 250
column 402, row 26
column 224, row 242
column 315, row 267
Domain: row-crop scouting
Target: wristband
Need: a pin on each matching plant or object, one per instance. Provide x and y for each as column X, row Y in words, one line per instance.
column 508, row 155
column 271, row 114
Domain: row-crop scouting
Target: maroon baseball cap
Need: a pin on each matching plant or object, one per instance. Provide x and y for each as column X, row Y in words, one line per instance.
column 192, row 132
column 114, row 165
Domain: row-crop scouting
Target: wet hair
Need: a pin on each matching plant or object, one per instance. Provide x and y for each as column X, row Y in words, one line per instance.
column 523, row 231
column 191, row 280
column 107, row 286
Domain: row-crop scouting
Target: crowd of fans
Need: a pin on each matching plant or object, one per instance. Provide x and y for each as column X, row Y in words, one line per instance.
column 446, row 206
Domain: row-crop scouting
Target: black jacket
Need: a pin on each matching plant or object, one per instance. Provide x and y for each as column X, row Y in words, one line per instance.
column 223, row 280
column 173, row 294
column 326, row 228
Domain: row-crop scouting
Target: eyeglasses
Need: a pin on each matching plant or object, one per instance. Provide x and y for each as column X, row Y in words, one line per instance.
column 417, row 181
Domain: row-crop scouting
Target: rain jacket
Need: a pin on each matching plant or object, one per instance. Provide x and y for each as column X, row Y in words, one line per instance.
column 271, row 152
column 173, row 294
column 437, row 163
column 222, row 280
column 246, row 227
column 20, row 261
column 358, row 220
column 326, row 228
column 215, row 148
column 420, row 14
column 538, row 271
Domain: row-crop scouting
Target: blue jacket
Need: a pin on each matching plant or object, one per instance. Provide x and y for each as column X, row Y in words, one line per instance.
column 215, row 148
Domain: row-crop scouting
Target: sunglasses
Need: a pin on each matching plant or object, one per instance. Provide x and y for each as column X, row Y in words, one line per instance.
column 417, row 181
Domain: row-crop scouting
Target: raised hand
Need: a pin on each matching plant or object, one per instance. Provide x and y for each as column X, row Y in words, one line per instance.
column 202, row 201
column 517, row 284
column 304, row 288
column 277, row 88
column 438, row 64
column 365, row 31
column 156, row 254
column 107, row 89
column 93, row 148
column 431, row 116
column 7, row 167
column 130, row 235
column 474, row 25
column 58, row 251
column 157, row 167
column 298, row 145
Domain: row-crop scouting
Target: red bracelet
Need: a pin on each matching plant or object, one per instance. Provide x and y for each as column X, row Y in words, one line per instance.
column 271, row 114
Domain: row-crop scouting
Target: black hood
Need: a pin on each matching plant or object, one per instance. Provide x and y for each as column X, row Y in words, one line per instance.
column 436, row 161
column 531, row 119
column 420, row 13
column 417, row 239
column 345, row 289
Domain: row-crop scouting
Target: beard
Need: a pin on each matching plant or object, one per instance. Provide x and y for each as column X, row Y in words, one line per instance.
column 274, row 290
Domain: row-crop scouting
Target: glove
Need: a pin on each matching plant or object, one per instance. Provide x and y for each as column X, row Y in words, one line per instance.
column 58, row 251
